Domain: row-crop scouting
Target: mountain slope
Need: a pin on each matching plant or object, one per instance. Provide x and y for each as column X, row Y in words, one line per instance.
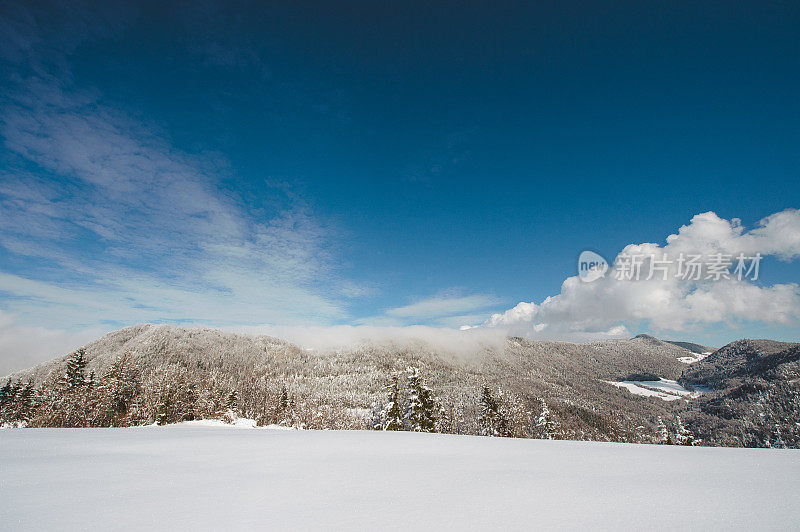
column 735, row 359
column 168, row 374
column 755, row 393
column 193, row 371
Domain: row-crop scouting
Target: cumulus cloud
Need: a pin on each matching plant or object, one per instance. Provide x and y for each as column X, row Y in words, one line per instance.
column 667, row 300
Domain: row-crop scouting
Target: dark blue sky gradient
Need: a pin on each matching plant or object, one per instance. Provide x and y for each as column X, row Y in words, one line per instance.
column 479, row 145
column 454, row 140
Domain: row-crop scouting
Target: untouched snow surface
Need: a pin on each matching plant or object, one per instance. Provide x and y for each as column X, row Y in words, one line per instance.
column 199, row 477
column 695, row 357
column 665, row 389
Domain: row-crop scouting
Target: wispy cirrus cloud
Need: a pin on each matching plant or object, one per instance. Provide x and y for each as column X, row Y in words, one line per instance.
column 445, row 304
column 117, row 194
column 451, row 308
column 117, row 225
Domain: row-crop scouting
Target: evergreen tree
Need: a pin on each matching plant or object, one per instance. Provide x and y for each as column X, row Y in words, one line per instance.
column 546, row 427
column 391, row 417
column 495, row 419
column 664, row 437
column 74, row 376
column 7, row 397
column 119, row 388
column 283, row 408
column 422, row 408
column 489, row 420
column 231, row 403
column 448, row 420
column 187, row 399
column 683, row 436
column 23, row 406
column 16, row 387
column 165, row 411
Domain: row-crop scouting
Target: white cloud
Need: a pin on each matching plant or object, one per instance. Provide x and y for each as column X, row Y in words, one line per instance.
column 450, row 308
column 445, row 304
column 442, row 340
column 674, row 304
column 25, row 346
column 136, row 229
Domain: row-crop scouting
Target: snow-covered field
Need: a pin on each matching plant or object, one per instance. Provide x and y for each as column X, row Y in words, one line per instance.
column 207, row 477
column 696, row 357
column 665, row 389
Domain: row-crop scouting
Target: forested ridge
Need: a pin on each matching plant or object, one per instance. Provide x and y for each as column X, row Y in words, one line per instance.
column 162, row 374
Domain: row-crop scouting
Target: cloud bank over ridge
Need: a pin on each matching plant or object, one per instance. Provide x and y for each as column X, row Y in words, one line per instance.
column 668, row 301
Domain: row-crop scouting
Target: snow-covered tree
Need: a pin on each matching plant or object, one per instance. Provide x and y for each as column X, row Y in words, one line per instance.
column 74, row 376
column 16, row 401
column 492, row 420
column 284, row 408
column 118, row 390
column 664, row 437
column 391, row 416
column 8, row 395
column 165, row 411
column 546, row 426
column 683, row 436
column 422, row 411
column 23, row 405
column 232, row 401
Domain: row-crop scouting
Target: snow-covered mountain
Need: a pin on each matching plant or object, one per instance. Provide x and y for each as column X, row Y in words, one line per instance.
column 609, row 390
column 753, row 393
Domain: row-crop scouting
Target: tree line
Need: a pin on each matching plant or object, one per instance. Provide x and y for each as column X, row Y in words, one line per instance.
column 414, row 407
column 123, row 395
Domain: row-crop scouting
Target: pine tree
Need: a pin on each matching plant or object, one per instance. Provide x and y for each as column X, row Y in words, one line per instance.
column 119, row 388
column 165, row 411
column 5, row 393
column 546, row 426
column 231, row 403
column 74, row 376
column 422, row 409
column 186, row 400
column 664, row 437
column 7, row 396
column 488, row 420
column 23, row 407
column 683, row 436
column 283, row 412
column 10, row 396
column 16, row 387
column 391, row 417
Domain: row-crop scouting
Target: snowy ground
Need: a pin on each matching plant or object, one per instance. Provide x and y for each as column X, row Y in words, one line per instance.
column 207, row 477
column 694, row 357
column 665, row 389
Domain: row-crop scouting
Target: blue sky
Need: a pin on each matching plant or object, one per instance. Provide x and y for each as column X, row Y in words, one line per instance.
column 243, row 164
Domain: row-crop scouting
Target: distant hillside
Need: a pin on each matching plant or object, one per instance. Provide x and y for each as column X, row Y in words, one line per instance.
column 754, row 393
column 154, row 346
column 694, row 348
column 736, row 359
column 172, row 374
